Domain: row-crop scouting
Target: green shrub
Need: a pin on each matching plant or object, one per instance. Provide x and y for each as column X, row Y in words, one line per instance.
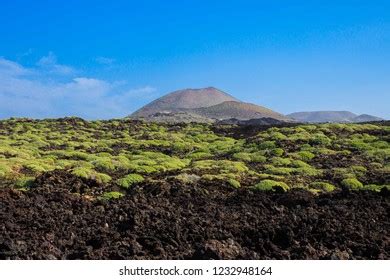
column 199, row 155
column 91, row 174
column 111, row 195
column 278, row 161
column 258, row 157
column 143, row 169
column 322, row 186
column 359, row 170
column 270, row 185
column 270, row 169
column 299, row 164
column 104, row 164
column 5, row 170
column 303, row 155
column 223, row 166
column 101, row 178
column 307, row 171
column 320, row 139
column 130, row 180
column 352, row 183
column 234, row 183
column 277, row 136
column 38, row 167
column 229, row 178
column 242, row 156
column 277, row 152
column 266, row 145
column 82, row 172
column 343, row 173
column 375, row 188
column 379, row 155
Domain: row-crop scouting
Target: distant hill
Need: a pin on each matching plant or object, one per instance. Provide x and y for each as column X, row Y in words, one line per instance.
column 331, row 116
column 202, row 105
column 366, row 118
column 237, row 110
column 184, row 99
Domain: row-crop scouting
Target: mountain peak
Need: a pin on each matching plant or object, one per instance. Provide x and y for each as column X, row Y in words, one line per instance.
column 185, row 99
column 207, row 104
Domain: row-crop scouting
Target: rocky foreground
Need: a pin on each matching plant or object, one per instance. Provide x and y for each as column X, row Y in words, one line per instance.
column 57, row 219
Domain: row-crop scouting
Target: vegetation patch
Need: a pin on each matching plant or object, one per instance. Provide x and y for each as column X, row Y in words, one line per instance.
column 121, row 152
column 270, row 185
column 130, row 180
column 352, row 183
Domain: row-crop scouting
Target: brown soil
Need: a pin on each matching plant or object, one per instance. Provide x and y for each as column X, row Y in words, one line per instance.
column 57, row 219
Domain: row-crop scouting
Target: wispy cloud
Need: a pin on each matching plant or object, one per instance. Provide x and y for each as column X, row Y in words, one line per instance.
column 24, row 54
column 36, row 93
column 11, row 68
column 50, row 63
column 104, row 60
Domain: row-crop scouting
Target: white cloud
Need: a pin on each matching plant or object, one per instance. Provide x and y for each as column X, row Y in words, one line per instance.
column 35, row 93
column 50, row 63
column 104, row 60
column 8, row 67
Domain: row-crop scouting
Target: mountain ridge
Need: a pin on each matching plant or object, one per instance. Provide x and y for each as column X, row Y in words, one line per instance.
column 332, row 116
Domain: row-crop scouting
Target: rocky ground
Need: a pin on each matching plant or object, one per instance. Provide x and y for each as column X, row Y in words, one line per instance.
column 59, row 219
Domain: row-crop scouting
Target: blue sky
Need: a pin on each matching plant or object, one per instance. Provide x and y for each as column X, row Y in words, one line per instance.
column 104, row 59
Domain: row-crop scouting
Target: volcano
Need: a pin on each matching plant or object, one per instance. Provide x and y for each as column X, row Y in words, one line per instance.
column 202, row 105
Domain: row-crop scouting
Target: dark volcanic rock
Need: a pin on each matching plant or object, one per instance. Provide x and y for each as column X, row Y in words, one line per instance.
column 171, row 221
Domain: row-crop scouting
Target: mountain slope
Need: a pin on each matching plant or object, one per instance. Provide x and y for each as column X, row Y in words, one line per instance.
column 184, row 99
column 237, row 110
column 366, row 118
column 331, row 116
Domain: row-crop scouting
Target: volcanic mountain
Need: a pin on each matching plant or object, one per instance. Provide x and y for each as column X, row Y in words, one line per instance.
column 202, row 105
column 237, row 110
column 184, row 99
column 332, row 116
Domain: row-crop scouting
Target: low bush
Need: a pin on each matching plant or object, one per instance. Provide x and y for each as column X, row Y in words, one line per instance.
column 270, row 185
column 299, row 164
column 104, row 164
column 375, row 188
column 130, row 180
column 5, row 170
column 267, row 145
column 359, row 170
column 242, row 156
column 322, row 186
column 228, row 178
column 343, row 173
column 278, row 161
column 111, row 195
column 91, row 174
column 352, row 183
column 270, row 169
column 307, row 171
column 303, row 155
column 277, row 152
column 199, row 155
column 258, row 157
